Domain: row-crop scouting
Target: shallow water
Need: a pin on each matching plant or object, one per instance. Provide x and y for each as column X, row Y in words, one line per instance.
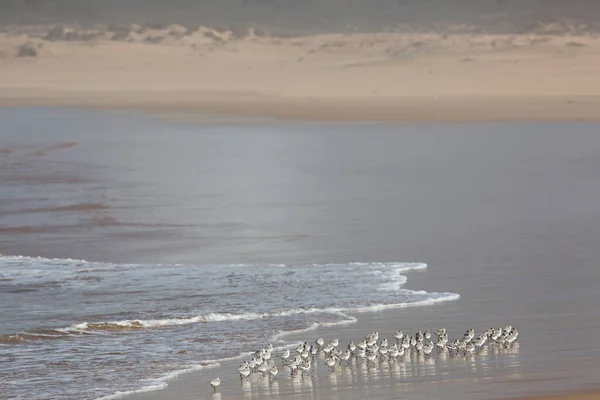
column 505, row 215
column 99, row 328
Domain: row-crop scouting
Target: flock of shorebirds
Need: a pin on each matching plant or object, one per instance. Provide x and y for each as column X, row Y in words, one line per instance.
column 369, row 350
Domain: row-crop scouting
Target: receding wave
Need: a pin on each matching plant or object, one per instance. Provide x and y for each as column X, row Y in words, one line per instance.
column 127, row 312
column 135, row 325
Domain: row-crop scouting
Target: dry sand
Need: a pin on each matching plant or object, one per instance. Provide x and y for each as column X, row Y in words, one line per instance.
column 360, row 76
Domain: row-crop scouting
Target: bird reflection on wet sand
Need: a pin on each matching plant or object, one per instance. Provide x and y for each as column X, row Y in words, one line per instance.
column 405, row 359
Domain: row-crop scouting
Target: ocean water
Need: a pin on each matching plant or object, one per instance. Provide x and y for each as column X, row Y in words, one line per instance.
column 90, row 330
column 205, row 241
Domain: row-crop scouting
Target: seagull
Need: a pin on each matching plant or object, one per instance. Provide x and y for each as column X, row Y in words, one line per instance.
column 215, row 383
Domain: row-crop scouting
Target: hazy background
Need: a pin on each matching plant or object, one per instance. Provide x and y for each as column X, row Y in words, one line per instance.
column 304, row 16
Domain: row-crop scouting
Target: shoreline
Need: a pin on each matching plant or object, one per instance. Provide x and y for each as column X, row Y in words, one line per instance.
column 198, row 107
column 182, row 385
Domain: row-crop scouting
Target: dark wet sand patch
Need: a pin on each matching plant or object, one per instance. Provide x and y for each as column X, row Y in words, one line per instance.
column 65, row 145
column 27, row 230
column 60, row 146
column 73, row 207
column 47, row 179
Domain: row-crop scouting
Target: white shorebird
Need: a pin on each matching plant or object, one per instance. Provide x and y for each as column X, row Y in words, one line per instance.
column 304, row 366
column 215, row 383
column 427, row 348
column 383, row 351
column 413, row 342
column 273, row 371
column 351, row 347
column 442, row 341
column 371, row 356
column 406, row 342
column 419, row 345
column 371, row 340
column 244, row 372
column 469, row 335
column 469, row 348
column 401, row 351
column 370, row 351
column 331, row 362
column 495, row 334
column 480, row 341
column 262, row 368
column 346, row 356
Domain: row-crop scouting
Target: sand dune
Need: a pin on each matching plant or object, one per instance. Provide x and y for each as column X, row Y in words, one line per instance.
column 341, row 76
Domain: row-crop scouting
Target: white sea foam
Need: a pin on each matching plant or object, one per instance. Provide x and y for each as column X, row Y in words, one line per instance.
column 161, row 383
column 300, row 299
column 222, row 317
column 149, row 388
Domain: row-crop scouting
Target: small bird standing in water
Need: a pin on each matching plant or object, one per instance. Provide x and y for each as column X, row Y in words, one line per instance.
column 214, row 383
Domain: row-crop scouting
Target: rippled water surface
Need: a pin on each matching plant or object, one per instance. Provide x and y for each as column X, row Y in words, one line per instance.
column 98, row 328
column 208, row 241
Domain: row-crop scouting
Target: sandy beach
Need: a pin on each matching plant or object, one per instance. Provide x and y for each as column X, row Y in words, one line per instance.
column 483, row 165
column 400, row 76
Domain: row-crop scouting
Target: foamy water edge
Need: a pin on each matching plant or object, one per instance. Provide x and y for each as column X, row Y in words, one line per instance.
column 395, row 282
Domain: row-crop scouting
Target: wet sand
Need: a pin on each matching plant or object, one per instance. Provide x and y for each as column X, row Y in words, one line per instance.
column 504, row 214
